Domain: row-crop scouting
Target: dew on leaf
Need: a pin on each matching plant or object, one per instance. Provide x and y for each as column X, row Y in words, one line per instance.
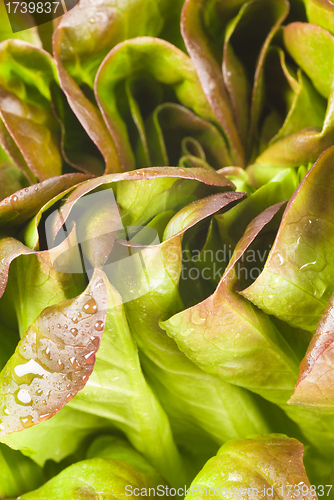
column 44, row 417
column 23, row 396
column 99, row 325
column 90, row 307
column 27, row 421
column 74, row 362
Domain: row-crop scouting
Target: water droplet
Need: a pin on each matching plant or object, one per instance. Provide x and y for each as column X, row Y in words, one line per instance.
column 90, row 307
column 30, row 368
column 87, row 325
column 5, row 410
column 60, row 364
column 26, row 190
column 75, row 364
column 36, row 188
column 99, row 326
column 48, row 328
column 65, row 326
column 198, row 317
column 44, row 402
column 47, row 353
column 68, row 396
column 74, row 331
column 92, row 20
column 27, row 421
column 95, row 341
column 68, row 387
column 59, row 325
column 39, row 392
column 79, row 314
column 14, row 198
column 44, row 417
column 1, row 426
column 75, row 320
column 90, row 357
column 23, row 396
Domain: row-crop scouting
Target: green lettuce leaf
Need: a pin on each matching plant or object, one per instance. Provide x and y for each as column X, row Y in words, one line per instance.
column 18, row 473
column 297, row 276
column 266, row 466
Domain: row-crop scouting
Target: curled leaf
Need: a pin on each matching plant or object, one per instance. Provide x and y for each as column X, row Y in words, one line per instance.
column 54, row 359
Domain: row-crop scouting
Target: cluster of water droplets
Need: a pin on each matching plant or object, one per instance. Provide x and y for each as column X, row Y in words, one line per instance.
column 63, row 357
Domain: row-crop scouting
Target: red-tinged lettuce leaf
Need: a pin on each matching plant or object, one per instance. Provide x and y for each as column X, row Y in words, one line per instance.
column 209, row 72
column 25, row 203
column 151, row 191
column 39, row 130
column 235, row 90
column 261, row 466
column 314, row 389
column 297, row 280
column 77, row 149
column 15, row 155
column 83, row 39
column 25, row 79
column 155, row 65
column 243, row 61
column 53, row 360
column 305, row 42
column 227, row 336
column 305, row 107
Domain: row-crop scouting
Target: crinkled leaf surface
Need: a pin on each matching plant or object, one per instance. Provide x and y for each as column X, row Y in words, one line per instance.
column 54, row 359
column 261, row 466
column 159, row 62
column 296, row 282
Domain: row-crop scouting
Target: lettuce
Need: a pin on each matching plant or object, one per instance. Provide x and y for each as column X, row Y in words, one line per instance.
column 166, row 284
